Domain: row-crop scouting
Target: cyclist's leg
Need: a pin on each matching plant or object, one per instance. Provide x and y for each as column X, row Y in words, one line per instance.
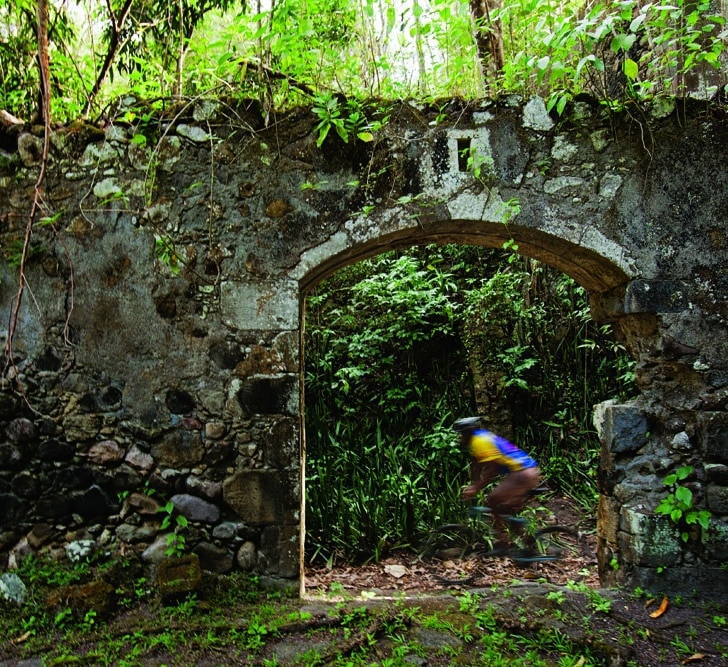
column 509, row 498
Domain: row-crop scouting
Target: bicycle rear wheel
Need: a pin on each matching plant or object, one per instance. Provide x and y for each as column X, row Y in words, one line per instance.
column 452, row 541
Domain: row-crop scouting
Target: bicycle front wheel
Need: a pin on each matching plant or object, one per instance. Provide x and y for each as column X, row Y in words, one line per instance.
column 557, row 543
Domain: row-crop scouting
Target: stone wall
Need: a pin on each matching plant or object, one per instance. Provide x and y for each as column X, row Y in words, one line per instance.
column 157, row 355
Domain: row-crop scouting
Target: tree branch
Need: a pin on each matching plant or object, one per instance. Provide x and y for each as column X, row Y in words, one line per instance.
column 111, row 51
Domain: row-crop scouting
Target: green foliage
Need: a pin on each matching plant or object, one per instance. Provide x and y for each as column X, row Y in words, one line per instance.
column 166, row 253
column 521, row 325
column 176, row 539
column 678, row 504
column 49, row 573
column 345, row 119
column 616, row 51
column 18, row 52
column 293, row 51
column 237, row 622
column 479, row 165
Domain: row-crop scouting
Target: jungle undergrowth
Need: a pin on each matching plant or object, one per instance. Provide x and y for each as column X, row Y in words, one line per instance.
column 234, row 617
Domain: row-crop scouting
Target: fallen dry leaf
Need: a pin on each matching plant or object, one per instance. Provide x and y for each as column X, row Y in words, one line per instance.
column 661, row 609
column 22, row 638
column 693, row 658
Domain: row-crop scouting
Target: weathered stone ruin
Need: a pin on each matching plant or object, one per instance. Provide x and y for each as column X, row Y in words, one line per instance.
column 157, row 353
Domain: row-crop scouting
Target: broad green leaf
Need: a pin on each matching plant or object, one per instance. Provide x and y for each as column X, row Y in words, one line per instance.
column 684, row 472
column 631, row 70
column 322, row 135
column 637, row 23
column 561, row 104
column 684, row 495
column 622, row 42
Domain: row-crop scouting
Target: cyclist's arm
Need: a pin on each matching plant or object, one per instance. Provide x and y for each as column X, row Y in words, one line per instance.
column 481, row 472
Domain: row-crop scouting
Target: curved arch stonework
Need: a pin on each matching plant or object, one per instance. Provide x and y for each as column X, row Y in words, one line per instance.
column 162, row 347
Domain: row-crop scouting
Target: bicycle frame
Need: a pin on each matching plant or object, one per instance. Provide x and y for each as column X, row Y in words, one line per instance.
column 531, row 543
column 479, row 511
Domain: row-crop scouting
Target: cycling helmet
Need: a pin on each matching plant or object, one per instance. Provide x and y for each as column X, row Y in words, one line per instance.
column 466, row 424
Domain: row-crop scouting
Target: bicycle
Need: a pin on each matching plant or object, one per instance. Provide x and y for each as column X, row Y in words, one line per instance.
column 531, row 544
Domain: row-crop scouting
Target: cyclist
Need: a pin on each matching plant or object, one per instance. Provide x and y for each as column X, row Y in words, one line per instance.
column 491, row 456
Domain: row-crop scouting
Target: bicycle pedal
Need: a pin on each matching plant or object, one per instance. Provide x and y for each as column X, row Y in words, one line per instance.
column 518, row 519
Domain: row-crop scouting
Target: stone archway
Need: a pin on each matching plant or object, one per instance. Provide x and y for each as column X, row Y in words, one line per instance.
column 597, row 274
column 579, row 222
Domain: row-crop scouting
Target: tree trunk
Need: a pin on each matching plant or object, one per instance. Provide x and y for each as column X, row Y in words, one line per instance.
column 488, row 39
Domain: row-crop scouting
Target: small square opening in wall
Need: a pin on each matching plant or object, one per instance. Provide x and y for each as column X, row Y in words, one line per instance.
column 463, row 153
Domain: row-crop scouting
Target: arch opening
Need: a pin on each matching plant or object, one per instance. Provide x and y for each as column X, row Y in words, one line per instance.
column 555, row 255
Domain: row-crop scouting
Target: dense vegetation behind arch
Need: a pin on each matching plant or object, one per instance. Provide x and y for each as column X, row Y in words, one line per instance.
column 399, row 346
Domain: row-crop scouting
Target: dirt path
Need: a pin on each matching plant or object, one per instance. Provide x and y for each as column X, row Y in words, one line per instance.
column 407, row 572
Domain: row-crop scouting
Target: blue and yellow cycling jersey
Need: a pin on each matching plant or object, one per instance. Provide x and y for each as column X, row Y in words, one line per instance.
column 487, row 447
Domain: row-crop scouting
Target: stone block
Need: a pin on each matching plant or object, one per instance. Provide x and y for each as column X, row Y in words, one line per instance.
column 714, row 433
column 176, row 577
column 261, row 497
column 179, row 449
column 79, row 427
column 281, row 545
column 621, row 428
column 655, row 296
column 195, row 509
column 648, row 539
column 536, row 116
column 268, row 306
column 260, row 361
column 213, row 558
column 282, row 443
column 247, row 556
column 716, row 497
column 95, row 503
column 715, row 540
column 12, row 588
column 97, row 596
column 717, row 472
column 287, row 344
